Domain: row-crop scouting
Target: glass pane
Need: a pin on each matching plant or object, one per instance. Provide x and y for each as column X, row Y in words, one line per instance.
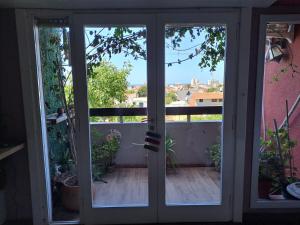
column 279, row 152
column 194, row 75
column 60, row 122
column 117, row 98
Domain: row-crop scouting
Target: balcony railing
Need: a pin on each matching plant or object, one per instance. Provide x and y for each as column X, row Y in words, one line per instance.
column 188, row 111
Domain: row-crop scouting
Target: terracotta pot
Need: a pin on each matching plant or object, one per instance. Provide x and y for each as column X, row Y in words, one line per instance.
column 264, row 187
column 70, row 195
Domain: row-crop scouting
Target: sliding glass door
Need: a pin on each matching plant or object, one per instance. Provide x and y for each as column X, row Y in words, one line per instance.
column 155, row 105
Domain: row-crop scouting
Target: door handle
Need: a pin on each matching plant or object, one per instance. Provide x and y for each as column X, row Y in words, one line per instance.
column 152, row 141
column 153, row 135
column 151, row 147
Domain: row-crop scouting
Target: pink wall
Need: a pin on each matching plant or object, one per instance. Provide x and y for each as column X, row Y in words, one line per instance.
column 287, row 87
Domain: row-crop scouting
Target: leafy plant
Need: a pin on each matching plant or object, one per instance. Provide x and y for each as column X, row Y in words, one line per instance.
column 103, row 43
column 103, row 154
column 107, row 85
column 215, row 155
column 276, row 162
column 142, row 92
column 170, row 152
column 170, row 97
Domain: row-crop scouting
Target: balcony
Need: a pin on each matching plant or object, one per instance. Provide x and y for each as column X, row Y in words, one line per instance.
column 193, row 181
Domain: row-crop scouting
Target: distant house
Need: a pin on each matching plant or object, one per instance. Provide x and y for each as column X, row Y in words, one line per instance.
column 140, row 102
column 206, row 99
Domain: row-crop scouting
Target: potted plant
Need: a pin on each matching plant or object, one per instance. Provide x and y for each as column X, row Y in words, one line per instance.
column 276, row 161
column 104, row 153
column 215, row 155
column 265, row 173
column 170, row 153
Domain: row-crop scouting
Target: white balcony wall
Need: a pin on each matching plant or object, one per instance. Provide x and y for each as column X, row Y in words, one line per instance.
column 192, row 141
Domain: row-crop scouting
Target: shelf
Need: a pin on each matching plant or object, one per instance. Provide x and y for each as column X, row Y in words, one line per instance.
column 7, row 151
column 54, row 119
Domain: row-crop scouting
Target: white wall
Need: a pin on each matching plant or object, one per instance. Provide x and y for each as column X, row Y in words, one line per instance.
column 192, row 140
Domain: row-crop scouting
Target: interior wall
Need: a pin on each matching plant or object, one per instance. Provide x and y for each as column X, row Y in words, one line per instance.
column 12, row 120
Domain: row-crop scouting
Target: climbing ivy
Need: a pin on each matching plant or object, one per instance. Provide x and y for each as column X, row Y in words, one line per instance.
column 58, row 142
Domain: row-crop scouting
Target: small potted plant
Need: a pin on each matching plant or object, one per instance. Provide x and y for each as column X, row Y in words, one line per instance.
column 215, row 155
column 104, row 153
column 276, row 161
column 265, row 174
column 170, row 153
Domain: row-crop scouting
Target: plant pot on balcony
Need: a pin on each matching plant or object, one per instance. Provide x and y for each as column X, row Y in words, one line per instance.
column 70, row 193
column 264, row 187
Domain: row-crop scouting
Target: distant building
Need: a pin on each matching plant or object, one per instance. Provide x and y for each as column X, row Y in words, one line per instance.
column 139, row 102
column 194, row 82
column 178, row 104
column 206, row 99
column 213, row 83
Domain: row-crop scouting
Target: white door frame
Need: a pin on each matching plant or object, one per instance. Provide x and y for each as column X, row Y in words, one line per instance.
column 104, row 215
column 41, row 201
column 34, row 111
column 206, row 211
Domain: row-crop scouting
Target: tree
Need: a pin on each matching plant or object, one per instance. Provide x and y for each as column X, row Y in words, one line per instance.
column 132, row 41
column 107, row 86
column 170, row 97
column 142, row 92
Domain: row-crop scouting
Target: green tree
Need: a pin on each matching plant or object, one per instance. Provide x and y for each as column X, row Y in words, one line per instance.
column 107, row 85
column 142, row 92
column 170, row 97
column 213, row 89
column 132, row 41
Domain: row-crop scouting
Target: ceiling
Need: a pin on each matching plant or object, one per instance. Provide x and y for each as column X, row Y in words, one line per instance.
column 100, row 4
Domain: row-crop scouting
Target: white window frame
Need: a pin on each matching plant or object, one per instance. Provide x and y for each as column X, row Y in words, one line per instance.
column 254, row 201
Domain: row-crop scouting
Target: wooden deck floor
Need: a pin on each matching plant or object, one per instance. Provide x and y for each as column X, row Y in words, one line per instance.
column 129, row 186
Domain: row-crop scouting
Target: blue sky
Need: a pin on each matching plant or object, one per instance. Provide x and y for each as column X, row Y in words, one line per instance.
column 177, row 73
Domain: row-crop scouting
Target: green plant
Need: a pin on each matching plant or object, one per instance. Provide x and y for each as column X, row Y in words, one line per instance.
column 142, row 92
column 170, row 152
column 170, row 97
column 104, row 153
column 215, row 155
column 275, row 159
column 265, row 172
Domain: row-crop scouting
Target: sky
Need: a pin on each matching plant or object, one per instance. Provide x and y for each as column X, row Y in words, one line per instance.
column 175, row 74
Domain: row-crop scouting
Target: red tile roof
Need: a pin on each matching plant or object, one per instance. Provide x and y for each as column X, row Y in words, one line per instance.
column 204, row 95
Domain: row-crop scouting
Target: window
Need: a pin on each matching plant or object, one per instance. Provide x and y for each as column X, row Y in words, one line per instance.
column 276, row 152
